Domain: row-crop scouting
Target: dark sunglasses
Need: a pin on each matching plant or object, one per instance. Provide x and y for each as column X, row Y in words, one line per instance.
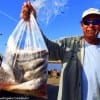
column 93, row 22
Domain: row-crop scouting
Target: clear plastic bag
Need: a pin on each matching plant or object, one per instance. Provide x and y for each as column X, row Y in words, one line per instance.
column 24, row 67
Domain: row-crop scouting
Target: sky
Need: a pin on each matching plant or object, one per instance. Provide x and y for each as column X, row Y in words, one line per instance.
column 56, row 18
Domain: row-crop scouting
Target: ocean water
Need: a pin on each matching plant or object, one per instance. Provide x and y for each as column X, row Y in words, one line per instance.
column 52, row 66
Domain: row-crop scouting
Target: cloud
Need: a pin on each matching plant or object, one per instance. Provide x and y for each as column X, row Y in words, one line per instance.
column 49, row 9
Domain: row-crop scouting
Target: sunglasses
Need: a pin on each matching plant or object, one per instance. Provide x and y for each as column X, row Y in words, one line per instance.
column 93, row 22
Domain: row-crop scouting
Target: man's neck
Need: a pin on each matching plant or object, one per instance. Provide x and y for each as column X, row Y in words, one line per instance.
column 94, row 41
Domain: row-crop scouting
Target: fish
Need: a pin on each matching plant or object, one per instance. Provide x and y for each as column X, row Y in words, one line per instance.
column 28, row 67
column 34, row 74
column 5, row 77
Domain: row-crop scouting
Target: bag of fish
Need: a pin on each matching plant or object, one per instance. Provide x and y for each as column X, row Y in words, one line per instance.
column 24, row 67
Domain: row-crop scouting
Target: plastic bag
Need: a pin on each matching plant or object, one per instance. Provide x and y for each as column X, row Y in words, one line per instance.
column 24, row 67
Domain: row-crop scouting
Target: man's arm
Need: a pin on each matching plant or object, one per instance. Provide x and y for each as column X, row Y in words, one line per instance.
column 55, row 48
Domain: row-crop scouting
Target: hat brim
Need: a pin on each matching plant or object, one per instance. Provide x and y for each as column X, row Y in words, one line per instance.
column 90, row 15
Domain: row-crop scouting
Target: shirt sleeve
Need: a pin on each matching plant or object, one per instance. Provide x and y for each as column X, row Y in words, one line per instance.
column 56, row 49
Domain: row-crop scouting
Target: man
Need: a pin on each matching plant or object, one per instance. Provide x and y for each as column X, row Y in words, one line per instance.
column 80, row 78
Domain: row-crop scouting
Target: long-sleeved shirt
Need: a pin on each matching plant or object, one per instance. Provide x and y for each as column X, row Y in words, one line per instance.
column 69, row 51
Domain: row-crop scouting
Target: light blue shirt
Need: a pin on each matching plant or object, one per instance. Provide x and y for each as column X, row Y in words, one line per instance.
column 91, row 73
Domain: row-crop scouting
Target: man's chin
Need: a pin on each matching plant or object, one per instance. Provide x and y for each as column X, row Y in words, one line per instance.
column 91, row 37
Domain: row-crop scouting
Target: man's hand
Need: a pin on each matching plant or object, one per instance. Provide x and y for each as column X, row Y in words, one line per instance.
column 27, row 9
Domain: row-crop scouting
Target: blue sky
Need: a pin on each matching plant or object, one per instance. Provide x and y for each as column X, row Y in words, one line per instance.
column 66, row 21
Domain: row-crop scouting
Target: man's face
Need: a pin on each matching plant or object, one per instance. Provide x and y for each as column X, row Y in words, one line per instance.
column 91, row 26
